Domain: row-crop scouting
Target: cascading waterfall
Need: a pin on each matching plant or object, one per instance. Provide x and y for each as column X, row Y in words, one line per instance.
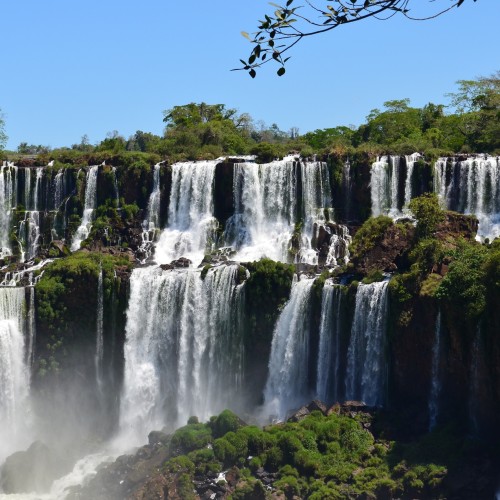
column 99, row 347
column 29, row 228
column 327, row 381
column 184, row 347
column 264, row 199
column 88, row 212
column 386, row 175
column 31, row 327
column 287, row 383
column 14, row 372
column 316, row 206
column 151, row 224
column 471, row 186
column 410, row 163
column 191, row 224
column 58, row 188
column 366, row 359
column 435, row 374
column 8, row 201
column 384, row 186
column 268, row 213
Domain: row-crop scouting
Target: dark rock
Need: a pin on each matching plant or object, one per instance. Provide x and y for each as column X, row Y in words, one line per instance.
column 182, row 262
column 167, row 267
column 158, row 437
column 317, row 405
column 299, row 415
column 32, row 470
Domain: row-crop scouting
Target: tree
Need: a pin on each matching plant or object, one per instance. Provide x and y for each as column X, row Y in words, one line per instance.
column 290, row 24
column 3, row 135
column 478, row 105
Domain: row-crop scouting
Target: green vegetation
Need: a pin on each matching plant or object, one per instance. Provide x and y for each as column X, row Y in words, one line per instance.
column 428, row 213
column 266, row 292
column 319, row 457
column 369, row 234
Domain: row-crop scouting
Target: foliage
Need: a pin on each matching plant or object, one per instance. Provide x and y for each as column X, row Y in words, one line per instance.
column 428, row 213
column 369, row 234
column 279, row 32
column 465, row 282
column 318, row 457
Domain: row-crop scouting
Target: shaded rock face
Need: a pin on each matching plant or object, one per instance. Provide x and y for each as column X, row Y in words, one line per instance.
column 32, row 470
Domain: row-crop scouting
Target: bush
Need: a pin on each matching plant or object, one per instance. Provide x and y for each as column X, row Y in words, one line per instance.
column 369, row 234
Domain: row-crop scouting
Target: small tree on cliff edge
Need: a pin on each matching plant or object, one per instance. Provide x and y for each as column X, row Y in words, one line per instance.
column 291, row 23
column 428, row 213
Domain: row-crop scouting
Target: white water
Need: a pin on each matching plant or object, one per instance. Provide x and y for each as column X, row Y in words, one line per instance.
column 287, row 383
column 410, row 163
column 191, row 225
column 151, row 224
column 471, row 186
column 316, row 206
column 327, row 382
column 183, row 350
column 366, row 359
column 88, row 212
column 8, row 201
column 385, row 179
column 29, row 228
column 14, row 373
column 267, row 206
column 436, row 376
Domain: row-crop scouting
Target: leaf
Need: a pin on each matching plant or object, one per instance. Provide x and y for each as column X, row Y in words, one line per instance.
column 246, row 35
column 252, row 73
column 289, row 3
column 281, row 71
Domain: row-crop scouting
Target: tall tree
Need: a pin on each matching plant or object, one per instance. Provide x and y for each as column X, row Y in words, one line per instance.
column 291, row 23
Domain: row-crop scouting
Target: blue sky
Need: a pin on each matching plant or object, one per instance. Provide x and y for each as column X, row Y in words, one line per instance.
column 73, row 67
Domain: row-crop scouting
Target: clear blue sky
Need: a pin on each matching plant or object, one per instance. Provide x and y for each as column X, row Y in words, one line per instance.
column 74, row 67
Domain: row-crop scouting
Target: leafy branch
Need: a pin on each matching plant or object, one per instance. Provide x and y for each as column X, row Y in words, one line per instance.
column 279, row 32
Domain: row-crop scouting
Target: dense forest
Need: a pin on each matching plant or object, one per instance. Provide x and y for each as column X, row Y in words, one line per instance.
column 207, row 131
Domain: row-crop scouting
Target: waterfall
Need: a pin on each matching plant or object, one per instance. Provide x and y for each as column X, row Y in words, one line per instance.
column 191, row 224
column 385, row 181
column 152, row 221
column 366, row 360
column 436, row 378
column 99, row 347
column 14, row 372
column 268, row 213
column 83, row 230
column 8, row 201
column 287, row 383
column 327, row 382
column 115, row 187
column 31, row 327
column 183, row 349
column 410, row 163
column 29, row 227
column 316, row 206
column 471, row 186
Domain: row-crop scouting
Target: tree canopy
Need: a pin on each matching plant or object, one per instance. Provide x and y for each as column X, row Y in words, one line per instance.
column 290, row 23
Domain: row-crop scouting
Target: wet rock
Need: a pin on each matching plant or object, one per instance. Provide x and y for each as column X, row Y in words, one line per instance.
column 32, row 470
column 299, row 415
column 182, row 262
